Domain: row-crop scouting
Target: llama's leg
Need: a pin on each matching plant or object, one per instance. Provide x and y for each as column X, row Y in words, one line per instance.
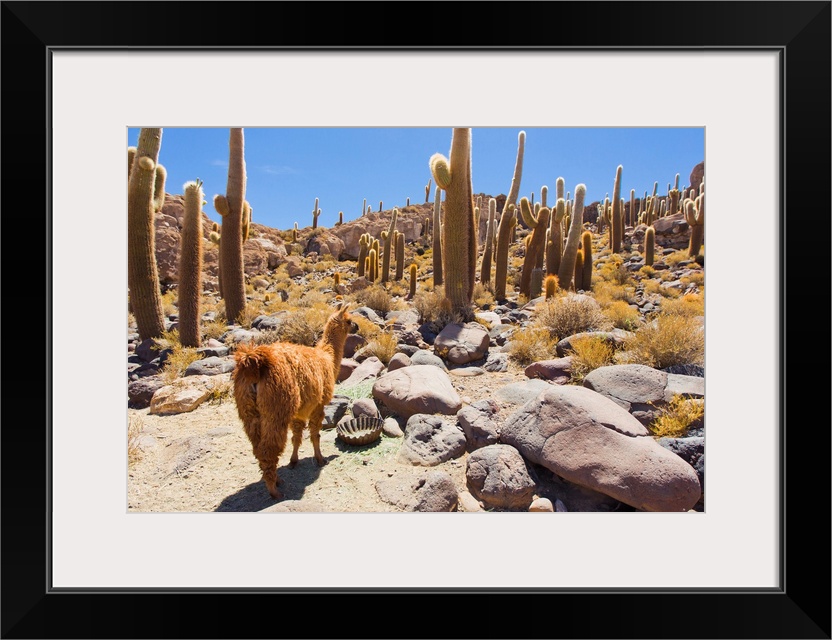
column 272, row 442
column 316, row 421
column 269, row 468
column 297, row 438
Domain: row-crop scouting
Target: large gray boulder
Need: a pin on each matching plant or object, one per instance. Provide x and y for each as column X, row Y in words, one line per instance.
column 497, row 475
column 431, row 440
column 462, row 343
column 587, row 439
column 417, row 389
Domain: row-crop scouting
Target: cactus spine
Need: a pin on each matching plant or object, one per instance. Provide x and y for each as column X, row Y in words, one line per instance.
column 189, row 292
column 230, row 207
column 437, row 237
column 399, row 256
column 508, row 220
column 388, row 247
column 145, row 182
column 459, row 238
column 488, row 252
column 536, row 243
column 586, row 249
column 566, row 272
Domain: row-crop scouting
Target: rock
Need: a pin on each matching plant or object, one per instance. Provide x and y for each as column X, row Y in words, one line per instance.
column 431, row 491
column 364, row 407
column 391, row 428
column 469, row 503
column 353, row 343
column 398, row 361
column 557, row 369
column 417, row 389
column 498, row 476
column 490, row 318
column 634, row 387
column 423, row 357
column 239, row 334
column 325, row 243
column 479, row 424
column 367, row 370
column 348, row 365
column 496, row 362
column 686, row 386
column 211, row 366
column 431, row 440
column 686, row 369
column 139, row 392
column 697, row 175
column 519, row 393
column 542, row 505
column 466, row 372
column 208, row 351
column 369, row 314
column 587, row 439
column 335, row 410
column 182, row 395
column 270, row 322
column 691, row 450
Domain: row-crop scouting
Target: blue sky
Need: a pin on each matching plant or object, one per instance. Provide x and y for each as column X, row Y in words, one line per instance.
column 287, row 168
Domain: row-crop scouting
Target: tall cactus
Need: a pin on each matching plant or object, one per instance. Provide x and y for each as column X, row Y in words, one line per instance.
column 695, row 216
column 554, row 246
column 586, row 249
column 566, row 272
column 436, row 229
column 514, row 190
column 388, row 247
column 189, row 292
column 363, row 249
column 399, row 256
column 459, row 238
column 649, row 245
column 674, row 195
column 507, row 222
column 488, row 252
column 616, row 215
column 427, row 190
column 230, row 207
column 315, row 213
column 145, row 196
column 536, row 248
column 579, row 270
column 412, row 293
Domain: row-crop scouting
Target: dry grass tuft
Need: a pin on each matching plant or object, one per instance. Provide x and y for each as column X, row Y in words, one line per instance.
column 622, row 315
column 588, row 354
column 135, row 427
column 569, row 314
column 677, row 417
column 531, row 345
column 667, row 340
column 179, row 358
column 376, row 297
column 383, row 346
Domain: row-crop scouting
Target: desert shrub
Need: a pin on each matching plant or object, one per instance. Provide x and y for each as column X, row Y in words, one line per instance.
column 697, row 278
column 303, row 326
column 367, row 329
column 622, row 315
column 482, row 295
column 221, row 390
column 531, row 345
column 589, row 353
column 647, row 271
column 676, row 417
column 213, row 329
column 135, row 427
column 179, row 358
column 427, row 303
column 605, row 293
column 667, row 340
column 566, row 315
column 382, row 346
column 690, row 304
column 676, row 257
column 613, row 270
column 376, row 297
column 169, row 300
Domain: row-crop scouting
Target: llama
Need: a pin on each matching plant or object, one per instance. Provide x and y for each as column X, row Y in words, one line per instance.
column 283, row 385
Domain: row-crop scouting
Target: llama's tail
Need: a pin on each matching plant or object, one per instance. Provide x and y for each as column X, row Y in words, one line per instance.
column 251, row 363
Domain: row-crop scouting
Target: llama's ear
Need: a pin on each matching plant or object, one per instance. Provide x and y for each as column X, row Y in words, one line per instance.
column 343, row 307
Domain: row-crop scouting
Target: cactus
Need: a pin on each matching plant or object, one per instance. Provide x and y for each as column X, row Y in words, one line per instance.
column 437, row 238
column 616, row 215
column 380, row 206
column 536, row 245
column 579, row 270
column 459, row 238
column 230, row 207
column 695, row 216
column 412, row 293
column 388, row 247
column 189, row 292
column 566, row 272
column 536, row 283
column 427, row 190
column 544, row 192
column 649, row 245
column 550, row 285
column 630, row 219
column 514, row 190
column 488, row 252
column 131, row 156
column 340, row 218
column 294, row 235
column 674, row 194
column 364, row 207
column 508, row 220
column 375, row 245
column 399, row 256
column 586, row 249
column 373, row 259
column 315, row 213
column 145, row 196
column 336, row 277
column 214, row 237
column 554, row 246
column 246, row 220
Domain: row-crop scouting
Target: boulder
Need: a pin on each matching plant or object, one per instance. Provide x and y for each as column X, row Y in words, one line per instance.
column 497, row 475
column 417, row 389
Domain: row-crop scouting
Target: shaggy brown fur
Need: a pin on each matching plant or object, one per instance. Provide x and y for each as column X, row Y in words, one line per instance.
column 284, row 385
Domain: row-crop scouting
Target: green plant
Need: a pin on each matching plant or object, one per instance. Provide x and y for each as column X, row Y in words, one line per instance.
column 676, row 417
column 145, row 196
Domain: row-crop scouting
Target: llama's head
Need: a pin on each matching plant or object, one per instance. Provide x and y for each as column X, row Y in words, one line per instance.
column 339, row 325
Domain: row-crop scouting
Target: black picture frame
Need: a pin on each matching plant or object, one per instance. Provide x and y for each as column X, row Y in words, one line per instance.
column 800, row 31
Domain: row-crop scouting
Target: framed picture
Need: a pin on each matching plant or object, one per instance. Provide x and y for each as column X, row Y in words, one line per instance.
column 755, row 75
